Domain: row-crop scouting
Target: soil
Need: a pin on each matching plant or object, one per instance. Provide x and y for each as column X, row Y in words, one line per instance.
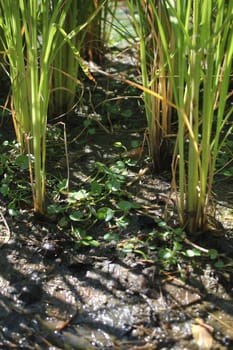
column 57, row 295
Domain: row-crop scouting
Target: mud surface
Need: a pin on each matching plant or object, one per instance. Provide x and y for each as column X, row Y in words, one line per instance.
column 57, row 295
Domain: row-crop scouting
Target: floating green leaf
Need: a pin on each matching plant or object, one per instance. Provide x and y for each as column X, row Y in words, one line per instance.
column 22, row 161
column 113, row 185
column 213, row 254
column 13, row 212
column 96, row 188
column 79, row 195
column 166, row 253
column 219, row 264
column 118, row 144
column 76, row 215
column 111, row 236
column 192, row 252
column 162, row 224
column 105, row 213
column 127, row 205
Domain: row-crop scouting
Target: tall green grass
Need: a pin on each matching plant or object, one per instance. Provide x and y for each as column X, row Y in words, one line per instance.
column 33, row 34
column 204, row 56
column 65, row 83
column 81, row 37
column 29, row 36
column 155, row 76
column 30, row 33
column 197, row 56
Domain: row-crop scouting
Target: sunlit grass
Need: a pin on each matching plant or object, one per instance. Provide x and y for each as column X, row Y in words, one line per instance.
column 30, row 37
column 195, row 42
column 155, row 75
column 33, row 33
column 203, row 66
column 82, row 33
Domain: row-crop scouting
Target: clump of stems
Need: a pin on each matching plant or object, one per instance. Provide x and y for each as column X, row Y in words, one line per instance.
column 201, row 73
column 65, row 67
column 155, row 76
column 82, row 32
column 30, row 29
column 33, row 34
column 195, row 45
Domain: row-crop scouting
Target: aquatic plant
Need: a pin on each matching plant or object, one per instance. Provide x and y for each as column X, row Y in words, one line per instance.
column 32, row 33
column 197, row 56
column 203, row 66
column 155, row 76
column 81, row 35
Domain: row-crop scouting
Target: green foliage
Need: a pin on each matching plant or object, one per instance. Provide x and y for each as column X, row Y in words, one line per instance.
column 89, row 125
column 168, row 247
column 14, row 183
column 224, row 162
column 156, row 78
column 104, row 199
column 29, row 37
column 82, row 238
column 120, row 33
column 101, row 201
column 188, row 67
column 76, row 34
column 117, row 112
column 33, row 36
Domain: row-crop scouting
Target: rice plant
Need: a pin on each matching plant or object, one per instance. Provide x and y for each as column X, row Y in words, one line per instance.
column 197, row 56
column 30, row 31
column 64, row 83
column 33, row 33
column 155, row 76
column 203, row 66
column 82, row 32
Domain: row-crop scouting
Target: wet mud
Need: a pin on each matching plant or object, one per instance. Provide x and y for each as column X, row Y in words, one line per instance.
column 55, row 295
